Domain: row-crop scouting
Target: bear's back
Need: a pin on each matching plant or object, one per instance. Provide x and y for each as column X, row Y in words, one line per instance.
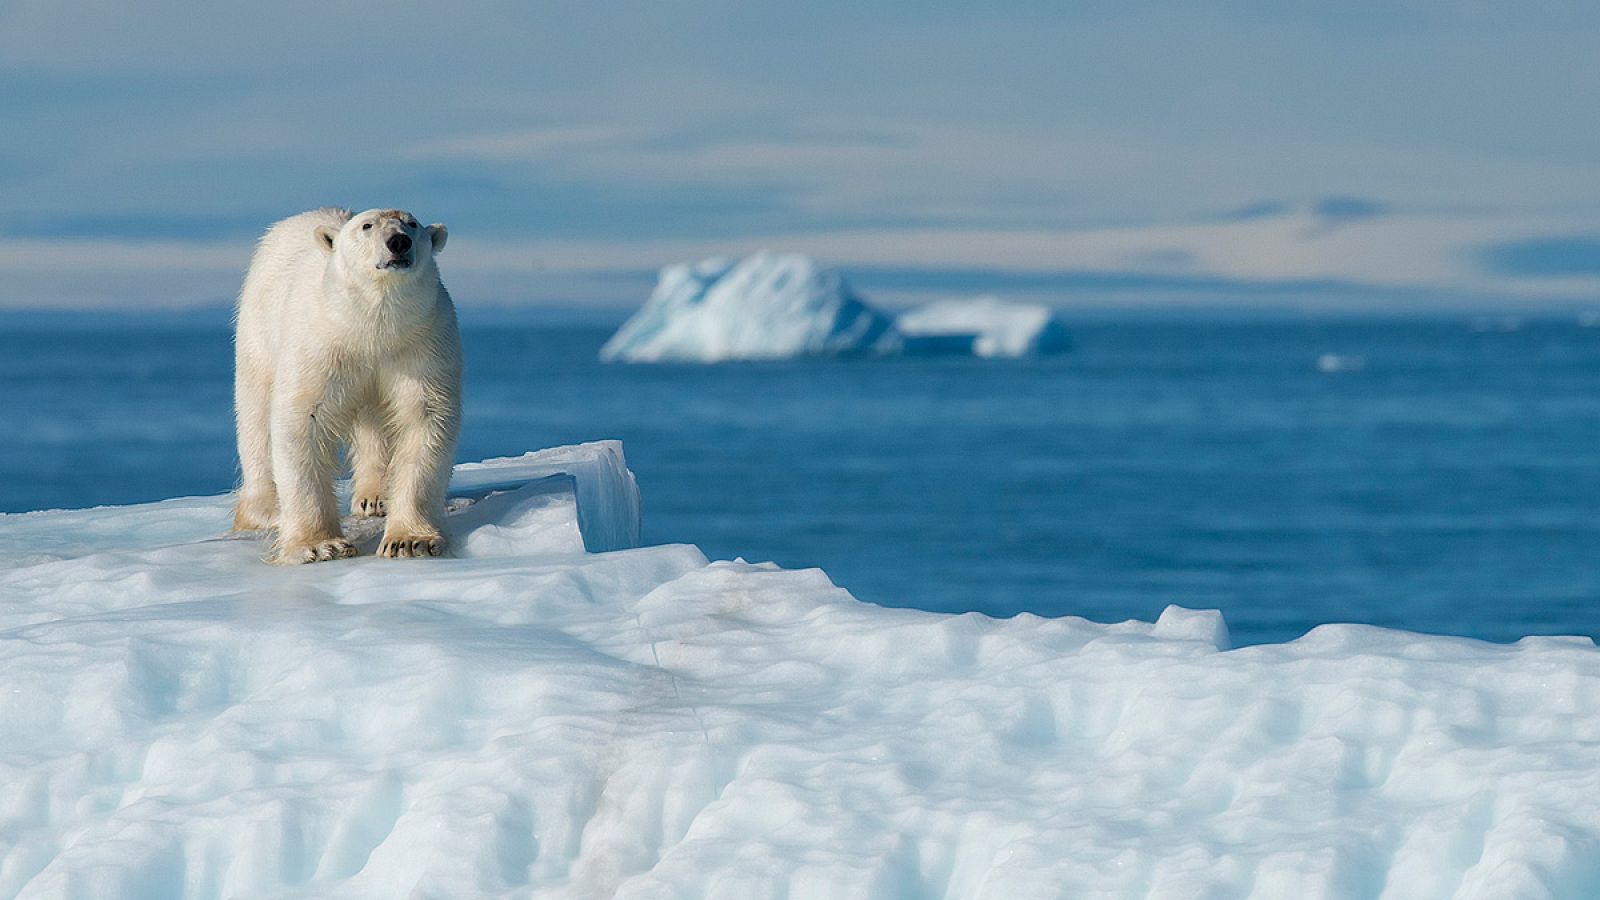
column 291, row 241
column 287, row 264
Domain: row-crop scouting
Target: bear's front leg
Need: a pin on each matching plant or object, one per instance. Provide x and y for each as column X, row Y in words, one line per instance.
column 425, row 416
column 304, row 454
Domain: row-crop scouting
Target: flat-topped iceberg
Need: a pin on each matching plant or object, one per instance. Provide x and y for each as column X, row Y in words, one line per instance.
column 532, row 719
column 986, row 326
column 766, row 306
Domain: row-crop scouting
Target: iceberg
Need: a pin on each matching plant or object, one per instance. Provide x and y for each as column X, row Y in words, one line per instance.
column 783, row 306
column 558, row 712
column 767, row 306
column 985, row 326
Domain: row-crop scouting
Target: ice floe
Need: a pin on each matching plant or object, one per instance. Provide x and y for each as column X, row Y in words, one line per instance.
column 531, row 718
column 992, row 327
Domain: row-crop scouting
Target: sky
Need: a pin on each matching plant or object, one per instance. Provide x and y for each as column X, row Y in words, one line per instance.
column 1362, row 155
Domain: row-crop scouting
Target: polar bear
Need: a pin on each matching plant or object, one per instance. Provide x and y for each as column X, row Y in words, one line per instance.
column 344, row 335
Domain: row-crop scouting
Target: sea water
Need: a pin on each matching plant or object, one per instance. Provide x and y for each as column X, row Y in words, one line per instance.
column 1439, row 475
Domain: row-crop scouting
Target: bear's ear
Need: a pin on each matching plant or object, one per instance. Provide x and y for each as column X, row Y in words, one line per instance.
column 438, row 234
column 325, row 236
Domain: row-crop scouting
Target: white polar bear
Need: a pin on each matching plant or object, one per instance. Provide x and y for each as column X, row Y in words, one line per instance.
column 345, row 335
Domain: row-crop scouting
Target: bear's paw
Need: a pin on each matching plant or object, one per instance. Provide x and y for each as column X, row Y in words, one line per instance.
column 367, row 506
column 411, row 546
column 317, row 551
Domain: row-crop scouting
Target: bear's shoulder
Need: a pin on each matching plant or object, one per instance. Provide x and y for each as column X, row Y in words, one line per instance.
column 309, row 220
column 290, row 242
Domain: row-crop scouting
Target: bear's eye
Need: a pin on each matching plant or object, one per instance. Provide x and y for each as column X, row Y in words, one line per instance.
column 367, row 227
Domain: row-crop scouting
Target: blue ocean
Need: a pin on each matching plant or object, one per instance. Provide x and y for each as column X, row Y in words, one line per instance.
column 1439, row 475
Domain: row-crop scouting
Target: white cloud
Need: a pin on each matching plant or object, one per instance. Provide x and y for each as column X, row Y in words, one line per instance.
column 991, row 125
column 24, row 255
column 1416, row 254
column 1421, row 252
column 524, row 145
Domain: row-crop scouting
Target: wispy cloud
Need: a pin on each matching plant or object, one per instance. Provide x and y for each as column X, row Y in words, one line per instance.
column 526, row 145
column 1401, row 145
column 1298, row 255
column 1562, row 256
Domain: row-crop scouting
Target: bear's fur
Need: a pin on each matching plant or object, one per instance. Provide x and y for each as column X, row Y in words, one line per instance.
column 346, row 336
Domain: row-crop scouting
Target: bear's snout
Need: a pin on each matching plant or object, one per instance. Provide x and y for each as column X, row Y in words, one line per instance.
column 398, row 244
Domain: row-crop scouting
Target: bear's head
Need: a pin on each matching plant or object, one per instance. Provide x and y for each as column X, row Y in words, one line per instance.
column 382, row 243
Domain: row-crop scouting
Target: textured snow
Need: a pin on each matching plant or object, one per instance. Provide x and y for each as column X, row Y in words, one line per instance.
column 528, row 719
column 766, row 306
column 996, row 327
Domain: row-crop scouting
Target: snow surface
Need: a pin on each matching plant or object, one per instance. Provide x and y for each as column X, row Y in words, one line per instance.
column 766, row 306
column 528, row 719
column 997, row 328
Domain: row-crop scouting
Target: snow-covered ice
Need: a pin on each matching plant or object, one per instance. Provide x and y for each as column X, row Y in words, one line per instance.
column 766, row 306
column 995, row 327
column 531, row 719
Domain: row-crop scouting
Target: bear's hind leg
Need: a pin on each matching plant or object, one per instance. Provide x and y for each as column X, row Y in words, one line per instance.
column 369, row 463
column 257, row 506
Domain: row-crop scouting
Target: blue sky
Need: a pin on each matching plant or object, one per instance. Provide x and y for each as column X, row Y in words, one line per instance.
column 1356, row 154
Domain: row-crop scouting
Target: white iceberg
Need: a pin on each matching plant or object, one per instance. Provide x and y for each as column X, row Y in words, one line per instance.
column 1341, row 362
column 766, row 306
column 531, row 719
column 985, row 326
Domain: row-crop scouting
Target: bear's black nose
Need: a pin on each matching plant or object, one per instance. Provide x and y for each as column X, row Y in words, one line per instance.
column 398, row 244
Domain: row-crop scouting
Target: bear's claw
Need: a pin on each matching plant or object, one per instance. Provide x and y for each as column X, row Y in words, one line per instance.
column 411, row 546
column 321, row 551
column 367, row 507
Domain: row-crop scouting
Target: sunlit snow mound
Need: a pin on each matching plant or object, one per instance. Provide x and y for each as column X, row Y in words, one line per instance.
column 533, row 719
column 766, row 306
column 987, row 326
